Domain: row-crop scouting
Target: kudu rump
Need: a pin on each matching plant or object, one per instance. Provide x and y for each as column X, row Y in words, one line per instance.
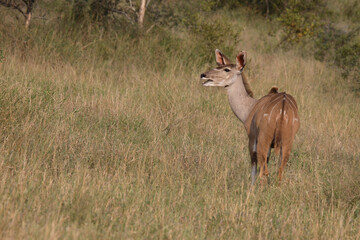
column 270, row 122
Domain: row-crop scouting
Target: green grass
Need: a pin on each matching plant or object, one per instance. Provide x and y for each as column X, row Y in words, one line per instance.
column 110, row 137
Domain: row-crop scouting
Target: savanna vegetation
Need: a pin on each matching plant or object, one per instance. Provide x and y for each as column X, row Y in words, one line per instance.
column 107, row 133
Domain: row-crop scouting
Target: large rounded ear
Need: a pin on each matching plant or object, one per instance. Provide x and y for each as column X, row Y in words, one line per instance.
column 221, row 59
column 241, row 60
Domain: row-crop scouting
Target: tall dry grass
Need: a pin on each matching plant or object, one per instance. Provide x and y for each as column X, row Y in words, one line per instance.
column 107, row 137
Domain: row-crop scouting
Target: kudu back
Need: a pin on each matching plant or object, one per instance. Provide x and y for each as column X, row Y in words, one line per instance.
column 270, row 122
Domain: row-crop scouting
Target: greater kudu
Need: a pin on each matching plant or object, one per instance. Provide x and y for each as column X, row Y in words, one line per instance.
column 270, row 122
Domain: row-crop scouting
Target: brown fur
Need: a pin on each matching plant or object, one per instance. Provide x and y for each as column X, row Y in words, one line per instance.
column 273, row 121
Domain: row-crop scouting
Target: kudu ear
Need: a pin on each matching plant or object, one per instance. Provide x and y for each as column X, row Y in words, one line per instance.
column 241, row 61
column 221, row 59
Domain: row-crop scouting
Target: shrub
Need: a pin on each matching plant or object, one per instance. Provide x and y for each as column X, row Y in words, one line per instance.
column 108, row 13
column 297, row 26
column 348, row 56
column 301, row 19
column 352, row 11
column 342, row 49
column 1, row 56
column 212, row 34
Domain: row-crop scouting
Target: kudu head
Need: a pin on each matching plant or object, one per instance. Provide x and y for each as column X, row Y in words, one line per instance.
column 226, row 73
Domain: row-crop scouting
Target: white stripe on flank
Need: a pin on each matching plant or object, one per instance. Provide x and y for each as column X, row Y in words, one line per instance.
column 277, row 98
column 269, row 103
column 272, row 110
column 286, row 117
column 292, row 102
column 292, row 106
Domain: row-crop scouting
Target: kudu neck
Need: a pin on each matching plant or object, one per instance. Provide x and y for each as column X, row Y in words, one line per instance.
column 240, row 101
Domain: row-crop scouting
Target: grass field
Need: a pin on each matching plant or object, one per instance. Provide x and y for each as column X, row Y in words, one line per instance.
column 103, row 136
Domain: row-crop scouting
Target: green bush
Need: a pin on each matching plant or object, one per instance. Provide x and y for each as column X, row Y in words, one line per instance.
column 348, row 59
column 212, row 34
column 341, row 49
column 301, row 19
column 352, row 11
column 297, row 26
column 278, row 7
column 106, row 13
column 1, row 56
column 87, row 10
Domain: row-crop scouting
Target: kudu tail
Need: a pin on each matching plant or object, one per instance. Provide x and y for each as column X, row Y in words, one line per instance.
column 279, row 126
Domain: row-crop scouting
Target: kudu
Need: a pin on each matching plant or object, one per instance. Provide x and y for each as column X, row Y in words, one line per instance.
column 270, row 122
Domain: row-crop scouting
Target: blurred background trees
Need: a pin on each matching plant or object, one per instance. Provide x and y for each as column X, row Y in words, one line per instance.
column 328, row 30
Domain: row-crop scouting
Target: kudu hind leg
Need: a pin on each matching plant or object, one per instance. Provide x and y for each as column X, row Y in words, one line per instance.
column 262, row 153
column 268, row 155
column 284, row 157
column 263, row 167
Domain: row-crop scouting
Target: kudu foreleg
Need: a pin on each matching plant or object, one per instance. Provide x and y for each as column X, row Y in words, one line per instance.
column 253, row 168
column 253, row 155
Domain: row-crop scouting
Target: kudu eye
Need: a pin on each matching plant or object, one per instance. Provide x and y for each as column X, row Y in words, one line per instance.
column 227, row 70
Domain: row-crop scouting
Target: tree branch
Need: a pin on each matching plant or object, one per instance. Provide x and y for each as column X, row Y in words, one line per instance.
column 13, row 6
column 142, row 14
column 120, row 12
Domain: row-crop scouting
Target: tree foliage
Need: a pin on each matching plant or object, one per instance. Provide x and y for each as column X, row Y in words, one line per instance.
column 25, row 7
